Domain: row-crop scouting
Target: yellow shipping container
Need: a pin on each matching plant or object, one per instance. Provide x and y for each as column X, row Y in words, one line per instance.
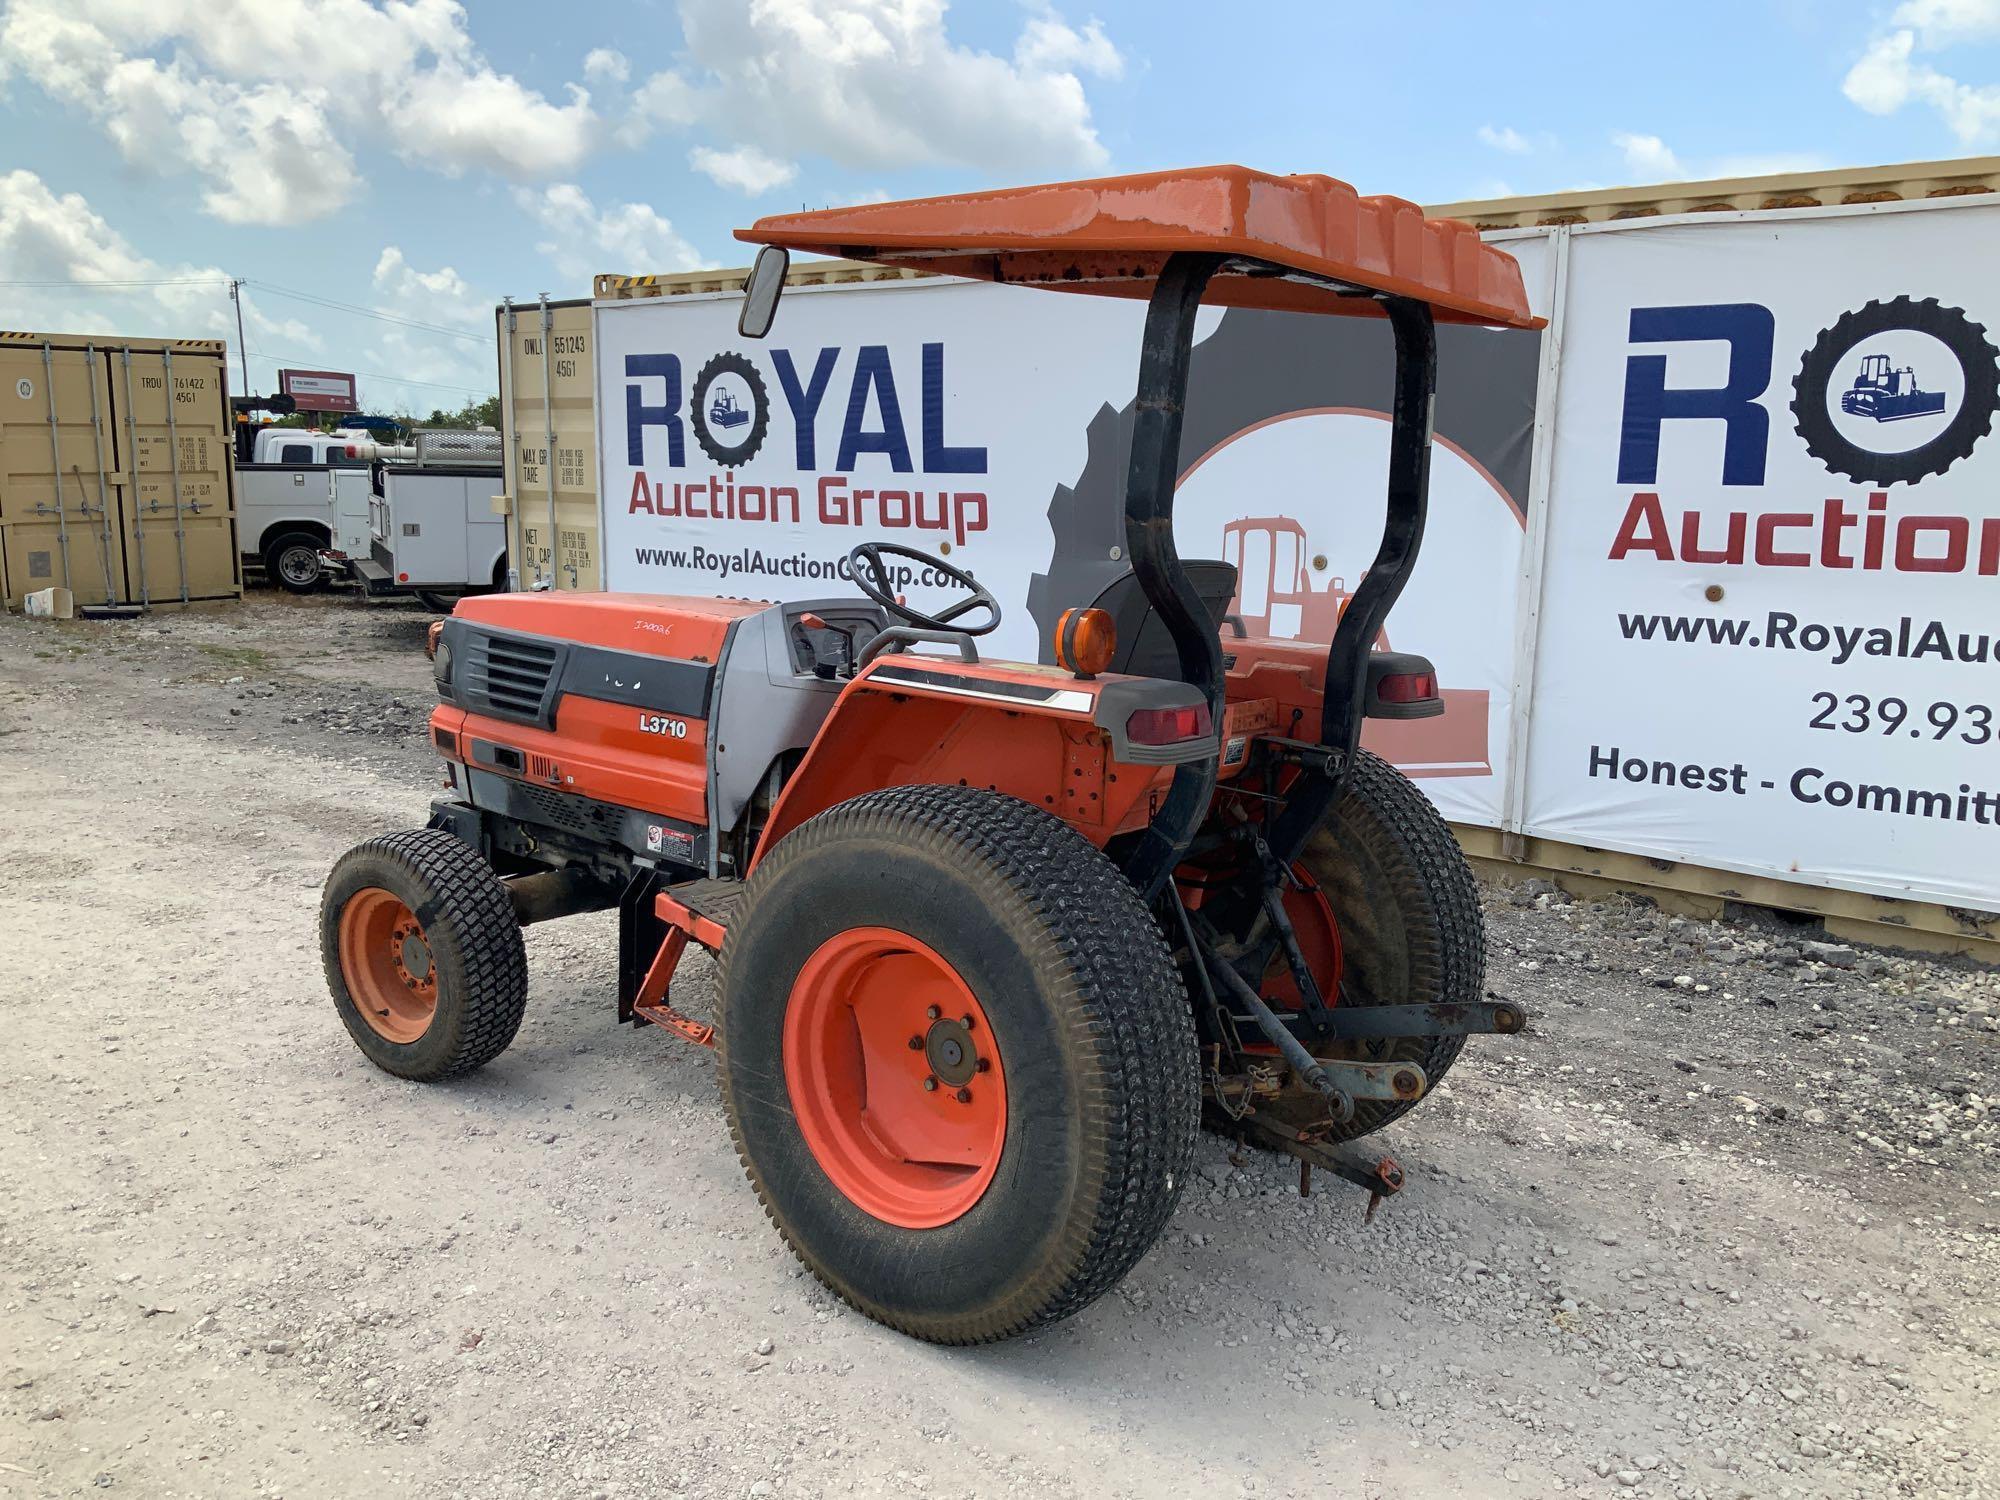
column 548, row 420
column 115, row 470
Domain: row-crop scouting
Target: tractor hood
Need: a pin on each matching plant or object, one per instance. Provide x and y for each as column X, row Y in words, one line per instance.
column 689, row 629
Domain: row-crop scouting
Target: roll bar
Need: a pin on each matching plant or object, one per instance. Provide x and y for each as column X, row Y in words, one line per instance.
column 1151, row 477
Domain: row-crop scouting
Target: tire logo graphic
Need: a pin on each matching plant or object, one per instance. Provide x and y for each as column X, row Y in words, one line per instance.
column 1897, row 391
column 730, row 410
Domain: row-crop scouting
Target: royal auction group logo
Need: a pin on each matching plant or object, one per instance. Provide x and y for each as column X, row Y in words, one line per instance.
column 729, row 410
column 1896, row 391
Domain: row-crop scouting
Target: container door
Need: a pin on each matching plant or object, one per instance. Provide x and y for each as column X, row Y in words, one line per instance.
column 58, row 506
column 179, row 503
column 549, row 425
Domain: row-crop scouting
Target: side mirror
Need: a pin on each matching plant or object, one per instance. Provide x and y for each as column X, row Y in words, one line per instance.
column 761, row 289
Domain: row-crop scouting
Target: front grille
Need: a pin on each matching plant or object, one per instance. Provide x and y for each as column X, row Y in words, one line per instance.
column 509, row 675
column 571, row 814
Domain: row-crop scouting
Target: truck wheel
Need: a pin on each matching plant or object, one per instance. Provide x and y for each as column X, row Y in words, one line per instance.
column 423, row 954
column 292, row 562
column 1406, row 908
column 958, row 1064
column 437, row 604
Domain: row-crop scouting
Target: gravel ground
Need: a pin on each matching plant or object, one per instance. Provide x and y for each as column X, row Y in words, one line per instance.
column 1724, row 1223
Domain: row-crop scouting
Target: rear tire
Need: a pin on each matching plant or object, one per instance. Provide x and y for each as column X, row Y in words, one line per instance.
column 1407, row 906
column 291, row 561
column 423, row 954
column 437, row 604
column 1076, row 1006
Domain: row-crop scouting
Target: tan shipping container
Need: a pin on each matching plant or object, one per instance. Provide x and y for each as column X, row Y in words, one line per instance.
column 115, row 470
column 548, row 421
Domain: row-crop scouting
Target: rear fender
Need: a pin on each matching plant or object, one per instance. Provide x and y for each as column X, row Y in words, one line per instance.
column 1054, row 741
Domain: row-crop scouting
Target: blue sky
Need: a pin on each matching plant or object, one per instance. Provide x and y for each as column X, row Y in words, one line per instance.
column 420, row 158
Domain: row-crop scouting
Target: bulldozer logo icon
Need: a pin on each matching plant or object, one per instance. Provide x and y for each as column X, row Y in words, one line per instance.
column 729, row 410
column 1896, row 391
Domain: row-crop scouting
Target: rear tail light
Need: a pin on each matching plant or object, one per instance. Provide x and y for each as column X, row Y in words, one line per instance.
column 1168, row 726
column 1407, row 687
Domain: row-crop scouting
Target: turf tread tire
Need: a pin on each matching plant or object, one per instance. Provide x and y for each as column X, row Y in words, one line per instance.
column 1411, row 927
column 475, row 942
column 1129, row 1022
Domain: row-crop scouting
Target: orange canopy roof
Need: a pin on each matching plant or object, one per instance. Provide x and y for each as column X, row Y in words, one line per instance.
column 1111, row 236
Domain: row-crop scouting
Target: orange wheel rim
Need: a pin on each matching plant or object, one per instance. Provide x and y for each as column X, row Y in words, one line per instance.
column 895, row 1077
column 387, row 962
column 1319, row 941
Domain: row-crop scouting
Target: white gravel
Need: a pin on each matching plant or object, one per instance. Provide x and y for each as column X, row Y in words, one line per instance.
column 1724, row 1223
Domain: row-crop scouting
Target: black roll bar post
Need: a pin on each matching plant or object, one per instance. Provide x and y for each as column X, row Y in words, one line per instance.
column 1402, row 534
column 1150, row 478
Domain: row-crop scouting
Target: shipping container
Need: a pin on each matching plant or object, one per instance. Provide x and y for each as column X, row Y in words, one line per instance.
column 548, row 419
column 115, row 470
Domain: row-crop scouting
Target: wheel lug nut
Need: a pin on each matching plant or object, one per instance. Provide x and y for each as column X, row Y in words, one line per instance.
column 983, row 1065
column 966, row 1022
column 965, row 1096
column 933, row 1012
column 916, row 1044
column 930, row 1085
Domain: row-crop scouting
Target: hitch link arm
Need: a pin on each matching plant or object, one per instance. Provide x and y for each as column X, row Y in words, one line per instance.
column 1339, row 1103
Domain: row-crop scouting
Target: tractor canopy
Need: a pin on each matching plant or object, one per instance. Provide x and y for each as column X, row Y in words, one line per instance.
column 1304, row 243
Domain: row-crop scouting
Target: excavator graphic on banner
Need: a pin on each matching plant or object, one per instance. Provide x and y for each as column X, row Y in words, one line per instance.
column 1275, row 599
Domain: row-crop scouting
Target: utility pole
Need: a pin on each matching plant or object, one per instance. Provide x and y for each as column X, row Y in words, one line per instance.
column 242, row 353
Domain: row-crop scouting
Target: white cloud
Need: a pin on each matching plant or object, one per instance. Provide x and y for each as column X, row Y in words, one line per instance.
column 886, row 86
column 1048, row 44
column 746, row 169
column 606, row 65
column 1649, row 157
column 1941, row 23
column 268, row 112
column 441, row 298
column 1505, row 138
column 1890, row 74
column 58, row 239
column 624, row 238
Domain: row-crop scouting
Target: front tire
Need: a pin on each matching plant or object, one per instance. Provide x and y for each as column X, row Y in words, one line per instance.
column 423, row 955
column 915, row 933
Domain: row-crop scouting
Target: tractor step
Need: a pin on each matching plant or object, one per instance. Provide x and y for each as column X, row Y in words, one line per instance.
column 702, row 907
column 698, row 911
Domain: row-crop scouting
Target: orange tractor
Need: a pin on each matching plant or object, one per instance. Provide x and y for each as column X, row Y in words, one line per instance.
column 994, row 937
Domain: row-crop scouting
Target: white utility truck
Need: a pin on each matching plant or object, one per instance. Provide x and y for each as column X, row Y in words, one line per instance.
column 290, row 492
column 428, row 527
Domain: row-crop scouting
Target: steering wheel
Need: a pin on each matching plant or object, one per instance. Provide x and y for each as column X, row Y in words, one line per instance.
column 865, row 562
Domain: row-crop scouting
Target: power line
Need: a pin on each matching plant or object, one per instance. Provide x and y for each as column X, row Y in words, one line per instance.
column 153, row 281
column 368, row 312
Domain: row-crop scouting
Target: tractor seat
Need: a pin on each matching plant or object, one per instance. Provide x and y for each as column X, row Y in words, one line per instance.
column 1145, row 649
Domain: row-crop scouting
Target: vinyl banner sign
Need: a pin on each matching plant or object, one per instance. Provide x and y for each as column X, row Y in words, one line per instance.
column 991, row 426
column 1770, row 611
